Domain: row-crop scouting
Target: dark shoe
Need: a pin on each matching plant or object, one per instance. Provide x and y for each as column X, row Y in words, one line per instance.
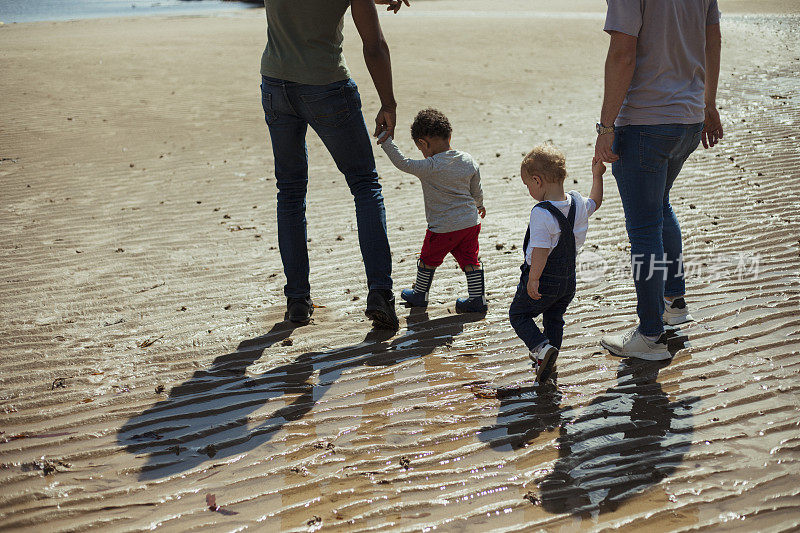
column 471, row 305
column 299, row 309
column 414, row 298
column 380, row 308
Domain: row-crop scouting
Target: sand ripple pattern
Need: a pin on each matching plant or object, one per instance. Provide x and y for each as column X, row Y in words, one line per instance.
column 145, row 362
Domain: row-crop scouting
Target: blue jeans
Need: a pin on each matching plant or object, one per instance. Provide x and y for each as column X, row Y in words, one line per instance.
column 650, row 158
column 334, row 112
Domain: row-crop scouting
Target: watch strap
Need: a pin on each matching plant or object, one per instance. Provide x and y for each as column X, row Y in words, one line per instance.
column 601, row 130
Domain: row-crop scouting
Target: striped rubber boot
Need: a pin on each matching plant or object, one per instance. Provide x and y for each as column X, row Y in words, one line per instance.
column 418, row 295
column 476, row 302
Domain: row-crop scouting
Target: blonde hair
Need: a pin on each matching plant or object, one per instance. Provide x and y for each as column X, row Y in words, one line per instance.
column 547, row 162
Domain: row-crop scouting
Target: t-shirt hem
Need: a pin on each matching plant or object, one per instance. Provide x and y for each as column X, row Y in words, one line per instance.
column 447, row 229
column 626, row 31
column 305, row 80
column 657, row 121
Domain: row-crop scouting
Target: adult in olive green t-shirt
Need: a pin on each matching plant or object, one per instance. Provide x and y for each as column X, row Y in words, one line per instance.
column 304, row 41
column 305, row 82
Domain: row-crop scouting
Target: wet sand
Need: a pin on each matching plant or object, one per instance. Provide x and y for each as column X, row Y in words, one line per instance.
column 144, row 361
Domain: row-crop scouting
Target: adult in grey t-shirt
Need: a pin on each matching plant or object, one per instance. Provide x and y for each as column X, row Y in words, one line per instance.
column 669, row 79
column 661, row 78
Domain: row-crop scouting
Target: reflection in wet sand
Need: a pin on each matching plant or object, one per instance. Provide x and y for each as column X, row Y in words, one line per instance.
column 626, row 440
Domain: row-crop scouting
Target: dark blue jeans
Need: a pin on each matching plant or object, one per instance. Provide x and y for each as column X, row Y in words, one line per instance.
column 557, row 292
column 650, row 158
column 334, row 112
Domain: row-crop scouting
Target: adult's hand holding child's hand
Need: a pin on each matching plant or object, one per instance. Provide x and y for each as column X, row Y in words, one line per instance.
column 602, row 148
column 533, row 288
column 385, row 122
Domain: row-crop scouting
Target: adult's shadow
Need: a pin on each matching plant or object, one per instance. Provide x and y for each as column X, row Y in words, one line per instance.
column 626, row 440
column 212, row 413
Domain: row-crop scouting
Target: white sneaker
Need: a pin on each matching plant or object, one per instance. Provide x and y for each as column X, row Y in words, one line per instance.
column 676, row 312
column 634, row 344
column 544, row 361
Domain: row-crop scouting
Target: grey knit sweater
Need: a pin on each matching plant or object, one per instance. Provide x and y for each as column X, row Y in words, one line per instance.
column 451, row 186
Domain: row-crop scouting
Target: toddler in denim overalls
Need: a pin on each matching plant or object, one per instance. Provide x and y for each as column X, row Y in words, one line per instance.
column 556, row 231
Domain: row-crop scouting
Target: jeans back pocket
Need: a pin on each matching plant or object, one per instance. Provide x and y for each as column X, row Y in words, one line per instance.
column 655, row 149
column 329, row 108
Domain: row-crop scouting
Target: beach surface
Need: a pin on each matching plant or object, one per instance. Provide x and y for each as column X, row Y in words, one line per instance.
column 145, row 365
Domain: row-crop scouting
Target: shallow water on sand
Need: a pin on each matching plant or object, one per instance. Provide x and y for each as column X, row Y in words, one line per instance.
column 33, row 10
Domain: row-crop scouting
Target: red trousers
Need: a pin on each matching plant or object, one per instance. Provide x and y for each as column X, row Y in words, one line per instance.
column 463, row 244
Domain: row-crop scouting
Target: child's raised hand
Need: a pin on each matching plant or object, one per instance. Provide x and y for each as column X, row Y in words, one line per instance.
column 598, row 168
column 533, row 288
column 383, row 136
column 482, row 211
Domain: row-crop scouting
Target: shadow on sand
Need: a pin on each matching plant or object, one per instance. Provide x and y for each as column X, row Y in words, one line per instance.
column 209, row 415
column 626, row 440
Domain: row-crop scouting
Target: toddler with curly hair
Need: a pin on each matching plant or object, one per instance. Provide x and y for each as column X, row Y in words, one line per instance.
column 451, row 188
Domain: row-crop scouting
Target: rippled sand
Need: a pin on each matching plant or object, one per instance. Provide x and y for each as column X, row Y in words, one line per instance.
column 145, row 364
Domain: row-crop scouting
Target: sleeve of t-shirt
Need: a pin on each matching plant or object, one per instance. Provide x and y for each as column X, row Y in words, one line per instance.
column 475, row 188
column 713, row 13
column 544, row 229
column 588, row 204
column 591, row 206
column 420, row 168
column 624, row 16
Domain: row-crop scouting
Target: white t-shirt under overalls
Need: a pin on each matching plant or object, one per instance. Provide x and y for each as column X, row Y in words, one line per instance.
column 545, row 229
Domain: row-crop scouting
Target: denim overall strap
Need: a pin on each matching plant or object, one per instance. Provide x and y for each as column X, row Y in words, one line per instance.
column 562, row 258
column 566, row 242
column 526, row 240
column 570, row 218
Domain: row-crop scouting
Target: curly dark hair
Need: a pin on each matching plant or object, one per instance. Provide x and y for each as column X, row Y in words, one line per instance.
column 431, row 123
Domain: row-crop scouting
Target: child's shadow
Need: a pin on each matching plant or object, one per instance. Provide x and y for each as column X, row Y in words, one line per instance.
column 209, row 415
column 525, row 413
column 627, row 439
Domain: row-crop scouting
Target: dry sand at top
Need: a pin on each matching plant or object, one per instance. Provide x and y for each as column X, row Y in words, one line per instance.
column 143, row 359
